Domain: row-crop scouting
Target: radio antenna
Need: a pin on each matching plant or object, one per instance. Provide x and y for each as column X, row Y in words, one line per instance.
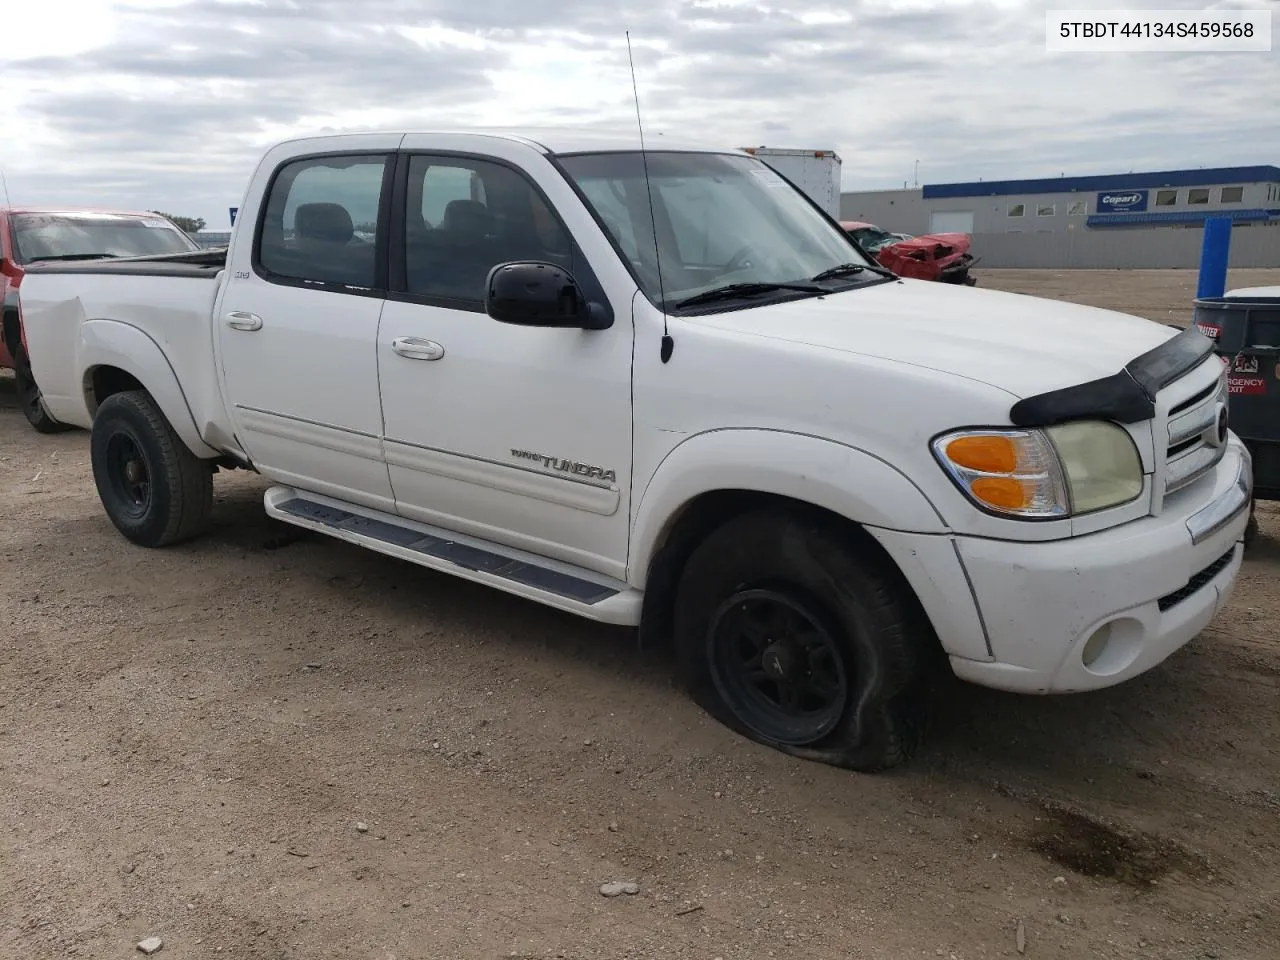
column 5, row 180
column 668, row 345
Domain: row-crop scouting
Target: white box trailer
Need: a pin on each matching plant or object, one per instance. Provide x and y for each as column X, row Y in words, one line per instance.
column 816, row 172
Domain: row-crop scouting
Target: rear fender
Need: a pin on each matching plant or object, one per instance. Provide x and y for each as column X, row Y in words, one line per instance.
column 110, row 343
column 845, row 480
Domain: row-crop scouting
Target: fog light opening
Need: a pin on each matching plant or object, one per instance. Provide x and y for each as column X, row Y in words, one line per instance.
column 1096, row 645
column 1112, row 647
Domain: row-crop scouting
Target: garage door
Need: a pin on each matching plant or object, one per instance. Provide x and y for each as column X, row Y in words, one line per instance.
column 951, row 222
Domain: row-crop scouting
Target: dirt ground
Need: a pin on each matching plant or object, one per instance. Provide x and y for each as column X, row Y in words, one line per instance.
column 189, row 739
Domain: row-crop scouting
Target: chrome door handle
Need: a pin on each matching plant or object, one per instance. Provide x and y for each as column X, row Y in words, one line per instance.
column 415, row 348
column 239, row 320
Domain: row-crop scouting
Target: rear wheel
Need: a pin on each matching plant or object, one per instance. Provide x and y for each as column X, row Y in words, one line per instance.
column 792, row 637
column 154, row 489
column 29, row 395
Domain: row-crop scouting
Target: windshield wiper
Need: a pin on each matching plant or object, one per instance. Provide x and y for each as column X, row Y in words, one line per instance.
column 74, row 256
column 847, row 269
column 731, row 290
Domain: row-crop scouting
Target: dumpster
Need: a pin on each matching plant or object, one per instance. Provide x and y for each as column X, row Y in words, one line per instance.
column 1245, row 327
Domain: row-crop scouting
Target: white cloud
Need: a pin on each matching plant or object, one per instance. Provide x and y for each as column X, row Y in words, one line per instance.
column 168, row 103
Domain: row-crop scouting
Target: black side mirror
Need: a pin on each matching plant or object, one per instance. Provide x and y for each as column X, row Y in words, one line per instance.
column 534, row 294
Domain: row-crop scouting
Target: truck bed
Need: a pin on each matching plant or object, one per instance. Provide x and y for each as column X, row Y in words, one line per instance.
column 128, row 313
column 202, row 264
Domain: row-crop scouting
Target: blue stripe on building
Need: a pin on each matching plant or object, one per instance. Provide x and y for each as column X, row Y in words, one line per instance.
column 1140, row 219
column 1119, row 181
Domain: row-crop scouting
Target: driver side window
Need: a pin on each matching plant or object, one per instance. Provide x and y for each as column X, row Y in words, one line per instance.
column 464, row 217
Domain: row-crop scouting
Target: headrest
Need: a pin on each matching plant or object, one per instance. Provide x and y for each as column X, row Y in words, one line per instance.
column 324, row 221
column 468, row 217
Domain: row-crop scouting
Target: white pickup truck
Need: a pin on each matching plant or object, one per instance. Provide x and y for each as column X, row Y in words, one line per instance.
column 662, row 388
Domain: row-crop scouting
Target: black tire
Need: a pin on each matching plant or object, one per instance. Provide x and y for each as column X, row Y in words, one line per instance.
column 29, row 395
column 865, row 633
column 1251, row 528
column 154, row 489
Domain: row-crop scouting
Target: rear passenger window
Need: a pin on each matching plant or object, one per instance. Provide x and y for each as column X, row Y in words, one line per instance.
column 322, row 220
column 466, row 216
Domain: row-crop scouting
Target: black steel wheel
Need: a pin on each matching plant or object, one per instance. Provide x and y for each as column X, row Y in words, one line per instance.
column 29, row 395
column 128, row 474
column 154, row 489
column 795, row 632
column 778, row 666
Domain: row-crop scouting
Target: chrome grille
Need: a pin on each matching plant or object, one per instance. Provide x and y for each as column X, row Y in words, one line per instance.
column 1195, row 443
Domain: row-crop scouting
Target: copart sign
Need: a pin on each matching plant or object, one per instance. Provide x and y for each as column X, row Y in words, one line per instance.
column 1122, row 201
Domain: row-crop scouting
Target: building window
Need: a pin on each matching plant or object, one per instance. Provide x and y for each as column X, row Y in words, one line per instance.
column 1166, row 198
column 1017, row 209
column 1232, row 194
column 1046, row 210
column 1078, row 208
column 1198, row 195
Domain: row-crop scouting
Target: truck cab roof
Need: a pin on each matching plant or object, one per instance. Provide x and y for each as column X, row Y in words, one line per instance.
column 548, row 140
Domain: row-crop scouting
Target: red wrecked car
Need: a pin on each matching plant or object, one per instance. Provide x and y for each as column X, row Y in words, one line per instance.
column 938, row 256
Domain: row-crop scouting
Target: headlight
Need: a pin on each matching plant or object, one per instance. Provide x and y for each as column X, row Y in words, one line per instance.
column 1045, row 474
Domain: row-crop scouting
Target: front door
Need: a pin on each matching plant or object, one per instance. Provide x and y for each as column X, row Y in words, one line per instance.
column 297, row 327
column 518, row 435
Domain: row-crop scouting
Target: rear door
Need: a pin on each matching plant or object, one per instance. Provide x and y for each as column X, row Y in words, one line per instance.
column 297, row 325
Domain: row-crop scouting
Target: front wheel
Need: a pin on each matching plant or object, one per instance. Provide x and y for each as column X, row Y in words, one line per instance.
column 792, row 637
column 29, row 395
column 154, row 489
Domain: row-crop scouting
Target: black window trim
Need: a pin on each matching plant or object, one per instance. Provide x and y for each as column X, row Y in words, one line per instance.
column 398, row 286
column 381, row 234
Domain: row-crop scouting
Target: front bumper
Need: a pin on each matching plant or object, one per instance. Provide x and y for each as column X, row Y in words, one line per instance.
column 1093, row 611
column 958, row 270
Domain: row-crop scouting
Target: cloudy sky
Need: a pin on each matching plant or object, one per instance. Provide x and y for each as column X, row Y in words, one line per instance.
column 168, row 103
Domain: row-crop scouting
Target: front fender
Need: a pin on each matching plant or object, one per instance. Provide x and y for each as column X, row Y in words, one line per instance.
column 110, row 343
column 843, row 479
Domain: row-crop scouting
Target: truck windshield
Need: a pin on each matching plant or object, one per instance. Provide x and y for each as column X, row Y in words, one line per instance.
column 74, row 236
column 721, row 219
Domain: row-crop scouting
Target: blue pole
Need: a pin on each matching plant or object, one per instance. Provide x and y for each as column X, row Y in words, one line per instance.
column 1213, row 257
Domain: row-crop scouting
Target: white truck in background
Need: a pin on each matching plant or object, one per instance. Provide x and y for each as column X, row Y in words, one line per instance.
column 815, row 172
column 658, row 388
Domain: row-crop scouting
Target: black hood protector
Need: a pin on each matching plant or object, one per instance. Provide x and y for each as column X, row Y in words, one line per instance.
column 1127, row 396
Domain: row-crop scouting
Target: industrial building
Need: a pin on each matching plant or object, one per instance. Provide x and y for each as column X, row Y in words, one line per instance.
column 1154, row 214
column 212, row 238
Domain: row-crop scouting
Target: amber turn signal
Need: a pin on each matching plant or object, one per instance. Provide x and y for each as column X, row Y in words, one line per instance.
column 987, row 453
